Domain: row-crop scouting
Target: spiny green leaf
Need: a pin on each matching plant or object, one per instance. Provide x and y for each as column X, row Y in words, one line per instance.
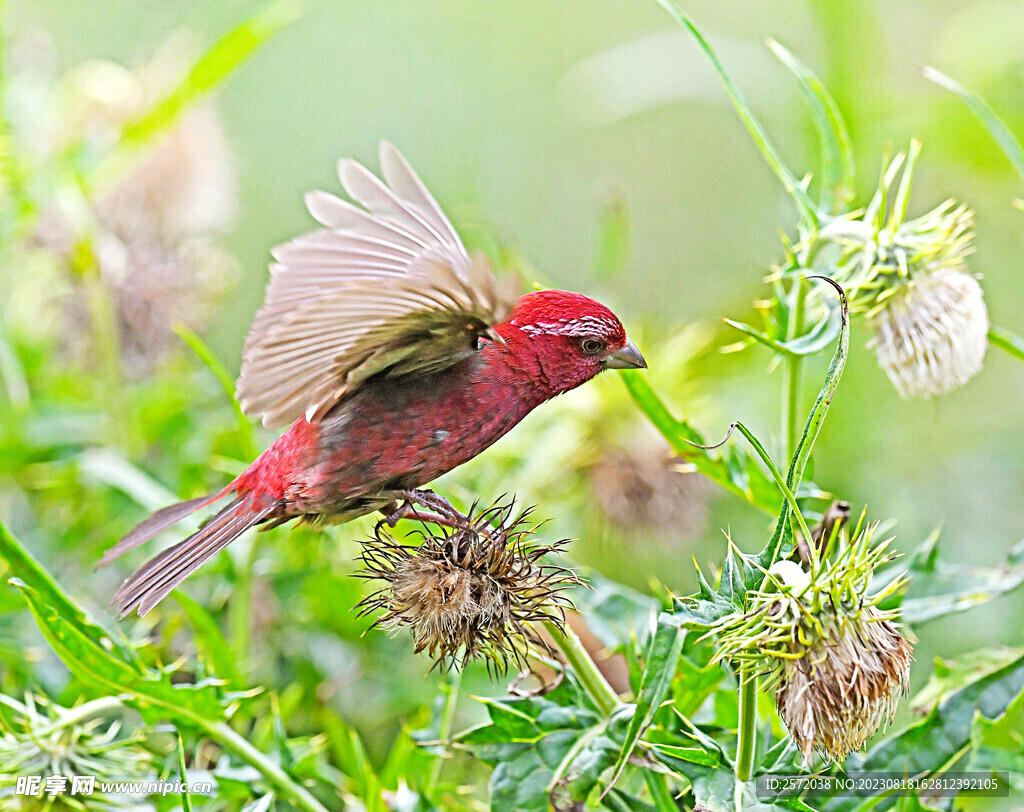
column 32, row 575
column 782, row 537
column 937, row 589
column 660, row 668
column 151, row 692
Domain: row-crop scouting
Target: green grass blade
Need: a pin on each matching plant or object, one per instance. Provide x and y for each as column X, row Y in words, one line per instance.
column 837, row 175
column 808, row 211
column 222, row 59
column 186, row 797
column 220, row 372
column 996, row 127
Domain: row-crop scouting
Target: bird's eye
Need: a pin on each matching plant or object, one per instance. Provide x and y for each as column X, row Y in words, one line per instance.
column 592, row 346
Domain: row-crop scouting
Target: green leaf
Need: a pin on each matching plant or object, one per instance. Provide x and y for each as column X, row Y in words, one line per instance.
column 93, row 656
column 837, row 176
column 950, row 676
column 209, row 640
column 997, row 747
column 782, row 536
column 818, row 335
column 937, row 589
column 1007, row 341
column 1002, row 134
column 151, row 692
column 528, row 741
column 660, row 668
column 936, row 740
column 223, row 58
column 731, row 469
column 808, row 212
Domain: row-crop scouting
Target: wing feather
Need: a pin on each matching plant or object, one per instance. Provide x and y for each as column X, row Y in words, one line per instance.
column 387, row 288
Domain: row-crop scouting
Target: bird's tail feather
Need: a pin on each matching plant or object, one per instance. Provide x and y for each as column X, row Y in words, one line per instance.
column 162, row 573
column 155, row 524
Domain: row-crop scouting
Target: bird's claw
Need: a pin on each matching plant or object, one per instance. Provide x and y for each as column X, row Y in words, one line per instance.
column 440, row 511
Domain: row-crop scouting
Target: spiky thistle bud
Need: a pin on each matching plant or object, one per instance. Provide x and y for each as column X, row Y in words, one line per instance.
column 471, row 593
column 837, row 662
column 911, row 281
column 45, row 739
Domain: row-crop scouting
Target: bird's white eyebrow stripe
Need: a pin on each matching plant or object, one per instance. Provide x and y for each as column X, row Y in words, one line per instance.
column 581, row 326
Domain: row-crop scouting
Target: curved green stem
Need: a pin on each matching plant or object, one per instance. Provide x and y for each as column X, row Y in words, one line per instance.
column 792, row 366
column 586, row 670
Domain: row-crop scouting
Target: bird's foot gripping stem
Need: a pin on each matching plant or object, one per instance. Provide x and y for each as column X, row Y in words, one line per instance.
column 407, row 504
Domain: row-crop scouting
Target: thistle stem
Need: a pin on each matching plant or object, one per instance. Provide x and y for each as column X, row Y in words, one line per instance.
column 277, row 778
column 586, row 670
column 445, row 729
column 660, row 793
column 747, row 730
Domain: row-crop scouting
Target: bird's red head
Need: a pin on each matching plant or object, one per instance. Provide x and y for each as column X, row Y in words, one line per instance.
column 569, row 337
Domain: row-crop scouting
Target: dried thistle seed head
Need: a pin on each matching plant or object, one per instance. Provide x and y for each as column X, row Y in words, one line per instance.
column 471, row 593
column 844, row 686
column 931, row 335
column 837, row 661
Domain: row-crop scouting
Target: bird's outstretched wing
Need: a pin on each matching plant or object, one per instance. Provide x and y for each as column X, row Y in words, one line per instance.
column 388, row 288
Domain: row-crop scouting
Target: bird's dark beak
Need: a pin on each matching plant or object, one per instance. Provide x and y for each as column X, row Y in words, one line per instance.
column 628, row 357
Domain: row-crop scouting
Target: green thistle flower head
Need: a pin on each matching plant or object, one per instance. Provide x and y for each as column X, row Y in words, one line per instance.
column 911, row 281
column 837, row 662
column 45, row 739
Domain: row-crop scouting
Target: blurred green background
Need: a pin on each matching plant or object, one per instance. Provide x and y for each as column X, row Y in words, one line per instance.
column 525, row 118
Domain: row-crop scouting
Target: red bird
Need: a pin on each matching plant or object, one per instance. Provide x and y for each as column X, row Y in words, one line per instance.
column 395, row 357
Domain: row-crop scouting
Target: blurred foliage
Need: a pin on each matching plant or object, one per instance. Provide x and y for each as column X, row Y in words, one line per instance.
column 119, row 191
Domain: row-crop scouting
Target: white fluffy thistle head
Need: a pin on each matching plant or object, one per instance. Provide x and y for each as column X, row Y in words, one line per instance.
column 931, row 334
column 911, row 281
